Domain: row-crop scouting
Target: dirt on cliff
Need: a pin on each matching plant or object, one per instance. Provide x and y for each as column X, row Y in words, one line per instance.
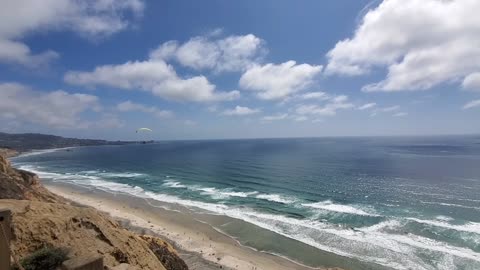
column 41, row 218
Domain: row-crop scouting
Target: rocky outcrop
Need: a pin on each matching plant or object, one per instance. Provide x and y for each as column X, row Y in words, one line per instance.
column 82, row 230
column 165, row 253
column 22, row 185
column 7, row 152
column 41, row 218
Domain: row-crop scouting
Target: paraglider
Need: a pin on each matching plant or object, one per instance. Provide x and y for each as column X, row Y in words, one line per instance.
column 143, row 130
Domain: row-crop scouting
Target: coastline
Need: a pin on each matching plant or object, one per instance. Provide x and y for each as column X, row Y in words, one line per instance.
column 198, row 240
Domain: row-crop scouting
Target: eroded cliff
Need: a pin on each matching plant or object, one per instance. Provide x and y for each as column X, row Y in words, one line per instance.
column 41, row 218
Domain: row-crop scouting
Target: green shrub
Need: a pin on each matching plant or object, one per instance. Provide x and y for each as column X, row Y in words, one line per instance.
column 47, row 258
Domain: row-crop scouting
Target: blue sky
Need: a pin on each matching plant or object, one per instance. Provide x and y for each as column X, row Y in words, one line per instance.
column 239, row 69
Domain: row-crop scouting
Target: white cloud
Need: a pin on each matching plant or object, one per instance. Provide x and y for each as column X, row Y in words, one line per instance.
column 87, row 18
column 129, row 106
column 57, row 109
column 239, row 110
column 367, row 106
column 154, row 76
column 279, row 81
column 108, row 120
column 422, row 43
column 472, row 82
column 314, row 95
column 276, row 117
column 389, row 109
column 329, row 109
column 392, row 109
column 300, row 118
column 400, row 114
column 232, row 53
column 472, row 104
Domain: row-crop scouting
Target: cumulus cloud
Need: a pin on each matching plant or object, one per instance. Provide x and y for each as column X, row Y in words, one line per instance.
column 367, row 106
column 337, row 103
column 391, row 109
column 422, row 43
column 273, row 81
column 300, row 118
column 276, row 117
column 239, row 111
column 155, row 76
column 108, row 120
column 232, row 53
column 89, row 18
column 472, row 82
column 472, row 104
column 57, row 109
column 400, row 114
column 129, row 106
column 315, row 95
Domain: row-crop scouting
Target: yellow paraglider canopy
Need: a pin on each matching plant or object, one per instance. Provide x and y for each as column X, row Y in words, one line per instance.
column 143, row 130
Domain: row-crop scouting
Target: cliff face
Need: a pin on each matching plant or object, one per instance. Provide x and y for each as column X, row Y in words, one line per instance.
column 22, row 185
column 41, row 218
column 7, row 152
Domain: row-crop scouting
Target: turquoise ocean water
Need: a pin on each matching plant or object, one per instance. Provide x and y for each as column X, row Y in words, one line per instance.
column 387, row 203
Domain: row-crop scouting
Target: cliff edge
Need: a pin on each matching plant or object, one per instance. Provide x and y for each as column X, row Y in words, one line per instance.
column 41, row 218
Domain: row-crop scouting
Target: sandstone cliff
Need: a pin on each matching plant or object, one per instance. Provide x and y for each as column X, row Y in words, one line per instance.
column 7, row 152
column 41, row 218
column 22, row 185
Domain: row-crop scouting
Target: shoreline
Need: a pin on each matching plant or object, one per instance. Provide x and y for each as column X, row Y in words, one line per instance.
column 190, row 235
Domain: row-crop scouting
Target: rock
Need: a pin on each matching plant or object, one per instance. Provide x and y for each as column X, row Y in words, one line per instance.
column 124, row 266
column 84, row 231
column 165, row 253
column 8, row 153
column 86, row 262
column 22, row 185
column 41, row 218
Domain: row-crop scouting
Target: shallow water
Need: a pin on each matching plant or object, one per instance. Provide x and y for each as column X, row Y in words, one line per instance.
column 403, row 203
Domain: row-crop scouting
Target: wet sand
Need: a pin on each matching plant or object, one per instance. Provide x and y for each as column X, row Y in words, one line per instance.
column 200, row 244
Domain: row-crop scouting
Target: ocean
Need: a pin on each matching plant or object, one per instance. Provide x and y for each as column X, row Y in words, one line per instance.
column 358, row 203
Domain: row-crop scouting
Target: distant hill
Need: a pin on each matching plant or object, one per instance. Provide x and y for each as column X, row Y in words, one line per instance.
column 30, row 141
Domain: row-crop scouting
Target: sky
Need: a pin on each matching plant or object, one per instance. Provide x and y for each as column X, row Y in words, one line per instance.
column 219, row 69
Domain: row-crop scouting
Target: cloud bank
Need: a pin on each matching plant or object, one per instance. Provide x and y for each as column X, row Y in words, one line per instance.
column 421, row 43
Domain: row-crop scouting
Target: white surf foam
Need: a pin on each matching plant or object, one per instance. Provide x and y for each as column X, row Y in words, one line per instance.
column 221, row 193
column 372, row 244
column 339, row 208
column 43, row 151
column 444, row 218
column 472, row 227
column 121, row 175
column 80, row 175
column 214, row 193
column 452, row 205
column 42, row 174
column 276, row 198
column 173, row 184
column 90, row 172
column 369, row 244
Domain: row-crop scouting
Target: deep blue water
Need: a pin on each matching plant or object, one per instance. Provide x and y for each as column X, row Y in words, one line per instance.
column 405, row 203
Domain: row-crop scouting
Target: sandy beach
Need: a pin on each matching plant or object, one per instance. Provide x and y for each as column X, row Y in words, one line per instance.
column 184, row 231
